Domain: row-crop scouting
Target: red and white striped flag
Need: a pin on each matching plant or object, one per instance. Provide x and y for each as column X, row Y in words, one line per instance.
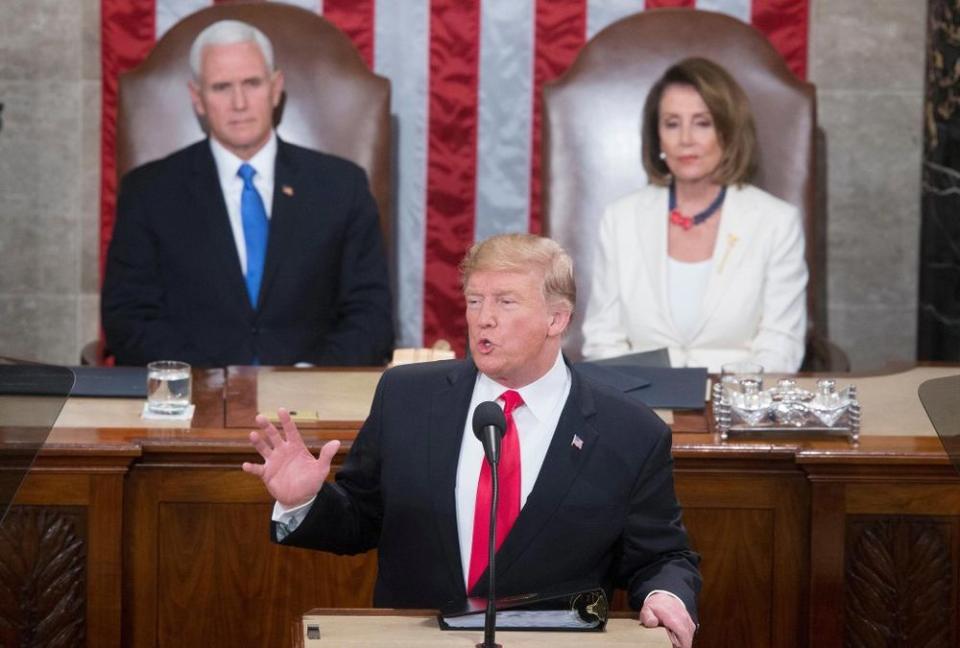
column 466, row 78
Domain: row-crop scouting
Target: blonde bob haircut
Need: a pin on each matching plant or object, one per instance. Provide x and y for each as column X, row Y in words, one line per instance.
column 732, row 119
column 522, row 253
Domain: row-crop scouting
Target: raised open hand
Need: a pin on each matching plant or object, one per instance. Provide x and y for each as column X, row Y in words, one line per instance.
column 289, row 471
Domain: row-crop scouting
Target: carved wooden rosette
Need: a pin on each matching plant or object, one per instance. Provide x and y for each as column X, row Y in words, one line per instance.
column 42, row 578
column 900, row 582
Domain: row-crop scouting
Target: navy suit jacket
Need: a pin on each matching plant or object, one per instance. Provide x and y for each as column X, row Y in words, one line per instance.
column 604, row 512
column 173, row 287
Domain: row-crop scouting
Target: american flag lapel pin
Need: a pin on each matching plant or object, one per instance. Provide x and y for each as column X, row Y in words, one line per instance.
column 577, row 442
column 287, row 190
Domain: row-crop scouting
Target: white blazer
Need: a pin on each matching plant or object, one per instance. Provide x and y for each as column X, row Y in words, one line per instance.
column 754, row 306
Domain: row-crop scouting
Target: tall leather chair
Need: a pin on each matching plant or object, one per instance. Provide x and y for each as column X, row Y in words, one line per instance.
column 332, row 101
column 592, row 125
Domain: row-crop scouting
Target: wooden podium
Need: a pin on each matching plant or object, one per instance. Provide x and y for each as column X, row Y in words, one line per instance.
column 419, row 629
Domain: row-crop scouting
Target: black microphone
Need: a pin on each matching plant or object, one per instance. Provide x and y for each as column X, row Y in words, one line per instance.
column 489, row 424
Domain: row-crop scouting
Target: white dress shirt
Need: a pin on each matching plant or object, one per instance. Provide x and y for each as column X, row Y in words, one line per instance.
column 231, row 185
column 536, row 420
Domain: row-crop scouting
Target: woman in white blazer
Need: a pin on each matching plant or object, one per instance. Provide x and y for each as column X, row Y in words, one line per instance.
column 699, row 261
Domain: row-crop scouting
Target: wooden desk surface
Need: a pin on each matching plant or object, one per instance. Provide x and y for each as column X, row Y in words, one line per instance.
column 333, row 403
column 207, row 396
column 332, row 399
column 385, row 630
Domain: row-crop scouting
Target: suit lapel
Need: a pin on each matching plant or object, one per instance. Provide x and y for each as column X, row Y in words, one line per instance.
column 560, row 469
column 733, row 240
column 284, row 221
column 445, row 425
column 651, row 232
column 204, row 185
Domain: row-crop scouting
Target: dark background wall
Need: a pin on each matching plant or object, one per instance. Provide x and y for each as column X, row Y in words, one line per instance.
column 938, row 333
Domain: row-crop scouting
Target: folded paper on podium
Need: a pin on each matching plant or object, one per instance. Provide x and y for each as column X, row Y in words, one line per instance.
column 31, row 396
column 110, row 382
column 407, row 628
column 656, row 387
column 576, row 608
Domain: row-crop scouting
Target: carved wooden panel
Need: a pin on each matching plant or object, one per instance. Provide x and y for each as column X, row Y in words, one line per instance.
column 222, row 583
column 900, row 580
column 42, row 578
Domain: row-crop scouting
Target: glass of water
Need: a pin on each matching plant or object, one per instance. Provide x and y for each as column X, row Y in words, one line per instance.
column 732, row 376
column 168, row 387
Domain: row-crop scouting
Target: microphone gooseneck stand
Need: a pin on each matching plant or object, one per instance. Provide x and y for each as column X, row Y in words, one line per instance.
column 489, row 424
column 490, row 618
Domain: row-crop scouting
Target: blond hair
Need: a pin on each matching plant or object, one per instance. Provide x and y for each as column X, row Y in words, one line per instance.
column 732, row 119
column 521, row 253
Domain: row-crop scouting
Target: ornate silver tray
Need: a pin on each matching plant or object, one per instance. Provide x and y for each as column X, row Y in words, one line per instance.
column 743, row 407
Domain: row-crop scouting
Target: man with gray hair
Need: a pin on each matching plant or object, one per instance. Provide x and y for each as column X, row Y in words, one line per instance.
column 586, row 475
column 243, row 248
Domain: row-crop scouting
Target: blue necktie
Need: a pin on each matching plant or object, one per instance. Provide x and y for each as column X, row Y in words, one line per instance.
column 255, row 231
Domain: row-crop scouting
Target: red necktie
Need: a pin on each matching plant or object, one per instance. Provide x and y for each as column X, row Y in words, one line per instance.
column 509, row 507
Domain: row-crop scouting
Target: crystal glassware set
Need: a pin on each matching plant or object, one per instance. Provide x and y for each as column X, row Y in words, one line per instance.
column 740, row 404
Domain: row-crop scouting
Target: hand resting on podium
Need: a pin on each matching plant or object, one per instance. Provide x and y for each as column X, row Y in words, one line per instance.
column 665, row 609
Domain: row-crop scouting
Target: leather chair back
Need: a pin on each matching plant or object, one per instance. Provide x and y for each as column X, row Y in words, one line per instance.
column 332, row 101
column 593, row 114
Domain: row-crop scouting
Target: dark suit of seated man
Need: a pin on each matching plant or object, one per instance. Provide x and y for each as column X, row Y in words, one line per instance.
column 586, row 475
column 242, row 248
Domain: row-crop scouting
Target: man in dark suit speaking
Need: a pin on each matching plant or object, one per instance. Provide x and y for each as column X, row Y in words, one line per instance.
column 586, row 481
column 242, row 248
